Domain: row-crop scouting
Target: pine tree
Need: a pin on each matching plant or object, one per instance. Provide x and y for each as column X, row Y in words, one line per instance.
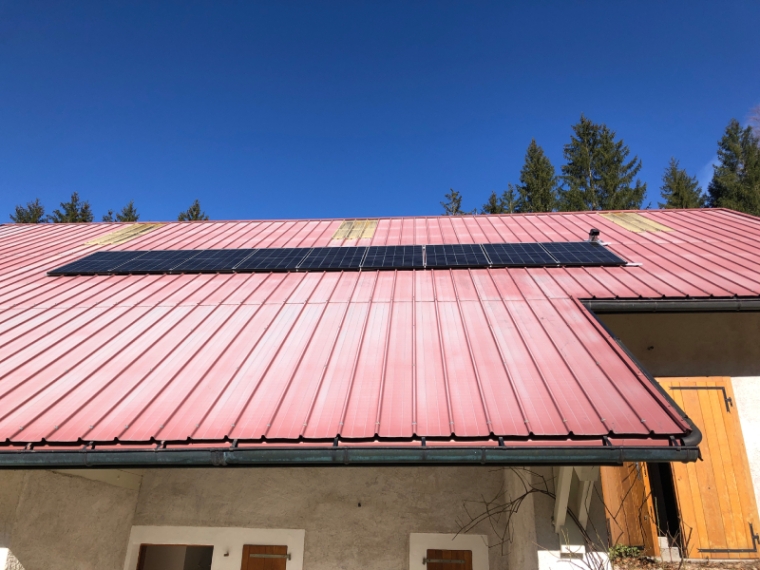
column 493, row 206
column 537, row 191
column 73, row 211
column 736, row 179
column 679, row 190
column 504, row 204
column 32, row 213
column 754, row 121
column 193, row 213
column 453, row 204
column 598, row 174
column 128, row 214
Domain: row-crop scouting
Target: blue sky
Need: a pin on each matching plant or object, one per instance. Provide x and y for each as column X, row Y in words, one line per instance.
column 333, row 109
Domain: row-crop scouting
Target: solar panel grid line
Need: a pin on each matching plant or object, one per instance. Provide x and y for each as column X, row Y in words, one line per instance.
column 394, row 257
column 214, row 261
column 274, row 259
column 156, row 261
column 333, row 258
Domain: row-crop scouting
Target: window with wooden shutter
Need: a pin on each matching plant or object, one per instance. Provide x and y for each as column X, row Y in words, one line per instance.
column 449, row 560
column 264, row 557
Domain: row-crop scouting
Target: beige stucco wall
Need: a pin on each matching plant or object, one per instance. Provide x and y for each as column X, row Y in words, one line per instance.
column 747, row 404
column 340, row 534
column 52, row 521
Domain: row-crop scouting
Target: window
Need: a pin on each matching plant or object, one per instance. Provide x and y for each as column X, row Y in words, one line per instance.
column 449, row 560
column 221, row 548
column 448, row 552
column 259, row 557
column 174, row 557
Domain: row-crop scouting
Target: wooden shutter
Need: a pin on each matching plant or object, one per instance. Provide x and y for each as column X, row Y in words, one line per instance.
column 715, row 496
column 264, row 557
column 449, row 560
column 629, row 509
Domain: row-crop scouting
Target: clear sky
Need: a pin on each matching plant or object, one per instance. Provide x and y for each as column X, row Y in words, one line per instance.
column 333, row 109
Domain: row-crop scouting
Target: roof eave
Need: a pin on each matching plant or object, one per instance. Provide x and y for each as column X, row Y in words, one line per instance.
column 348, row 456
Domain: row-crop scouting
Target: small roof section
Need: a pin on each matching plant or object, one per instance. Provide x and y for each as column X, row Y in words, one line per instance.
column 364, row 367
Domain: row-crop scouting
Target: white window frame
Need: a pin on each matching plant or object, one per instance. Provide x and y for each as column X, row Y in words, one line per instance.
column 419, row 543
column 228, row 542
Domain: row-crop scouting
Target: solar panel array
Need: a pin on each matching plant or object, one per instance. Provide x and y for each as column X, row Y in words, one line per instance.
column 555, row 254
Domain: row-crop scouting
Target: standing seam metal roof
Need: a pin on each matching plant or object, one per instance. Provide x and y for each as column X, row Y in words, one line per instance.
column 384, row 356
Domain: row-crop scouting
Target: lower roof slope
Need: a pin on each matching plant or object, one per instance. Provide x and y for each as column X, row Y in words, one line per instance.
column 459, row 357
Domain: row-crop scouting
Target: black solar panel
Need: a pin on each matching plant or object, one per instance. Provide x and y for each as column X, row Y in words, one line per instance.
column 275, row 259
column 582, row 253
column 455, row 255
column 213, row 260
column 156, row 261
column 333, row 258
column 98, row 262
column 394, row 257
column 340, row 258
column 518, row 255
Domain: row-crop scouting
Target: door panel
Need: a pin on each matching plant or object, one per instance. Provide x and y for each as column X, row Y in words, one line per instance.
column 628, row 504
column 715, row 495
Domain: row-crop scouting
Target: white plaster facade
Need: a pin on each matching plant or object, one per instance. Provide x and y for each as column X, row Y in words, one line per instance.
column 349, row 517
column 747, row 395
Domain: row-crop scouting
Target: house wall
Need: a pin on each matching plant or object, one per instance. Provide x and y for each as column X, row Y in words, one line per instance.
column 395, row 502
column 747, row 395
column 52, row 521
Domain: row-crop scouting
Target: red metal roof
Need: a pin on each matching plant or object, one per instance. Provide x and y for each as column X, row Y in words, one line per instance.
column 386, row 356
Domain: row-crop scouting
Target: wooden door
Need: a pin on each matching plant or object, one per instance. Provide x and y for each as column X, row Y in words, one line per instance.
column 449, row 560
column 715, row 496
column 264, row 557
column 628, row 506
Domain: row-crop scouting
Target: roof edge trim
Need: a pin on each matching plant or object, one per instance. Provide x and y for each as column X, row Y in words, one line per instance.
column 355, row 456
column 734, row 304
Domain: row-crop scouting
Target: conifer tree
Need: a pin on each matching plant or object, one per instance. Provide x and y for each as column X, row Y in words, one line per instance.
column 453, row 204
column 128, row 214
column 754, row 121
column 598, row 174
column 73, row 211
column 537, row 191
column 510, row 200
column 493, row 206
column 736, row 178
column 193, row 213
column 679, row 190
column 32, row 213
column 504, row 204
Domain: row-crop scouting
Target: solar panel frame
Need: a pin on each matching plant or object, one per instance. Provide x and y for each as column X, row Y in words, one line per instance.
column 157, row 261
column 98, row 263
column 394, row 257
column 518, row 255
column 455, row 255
column 273, row 259
column 333, row 258
column 214, row 261
column 582, row 254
